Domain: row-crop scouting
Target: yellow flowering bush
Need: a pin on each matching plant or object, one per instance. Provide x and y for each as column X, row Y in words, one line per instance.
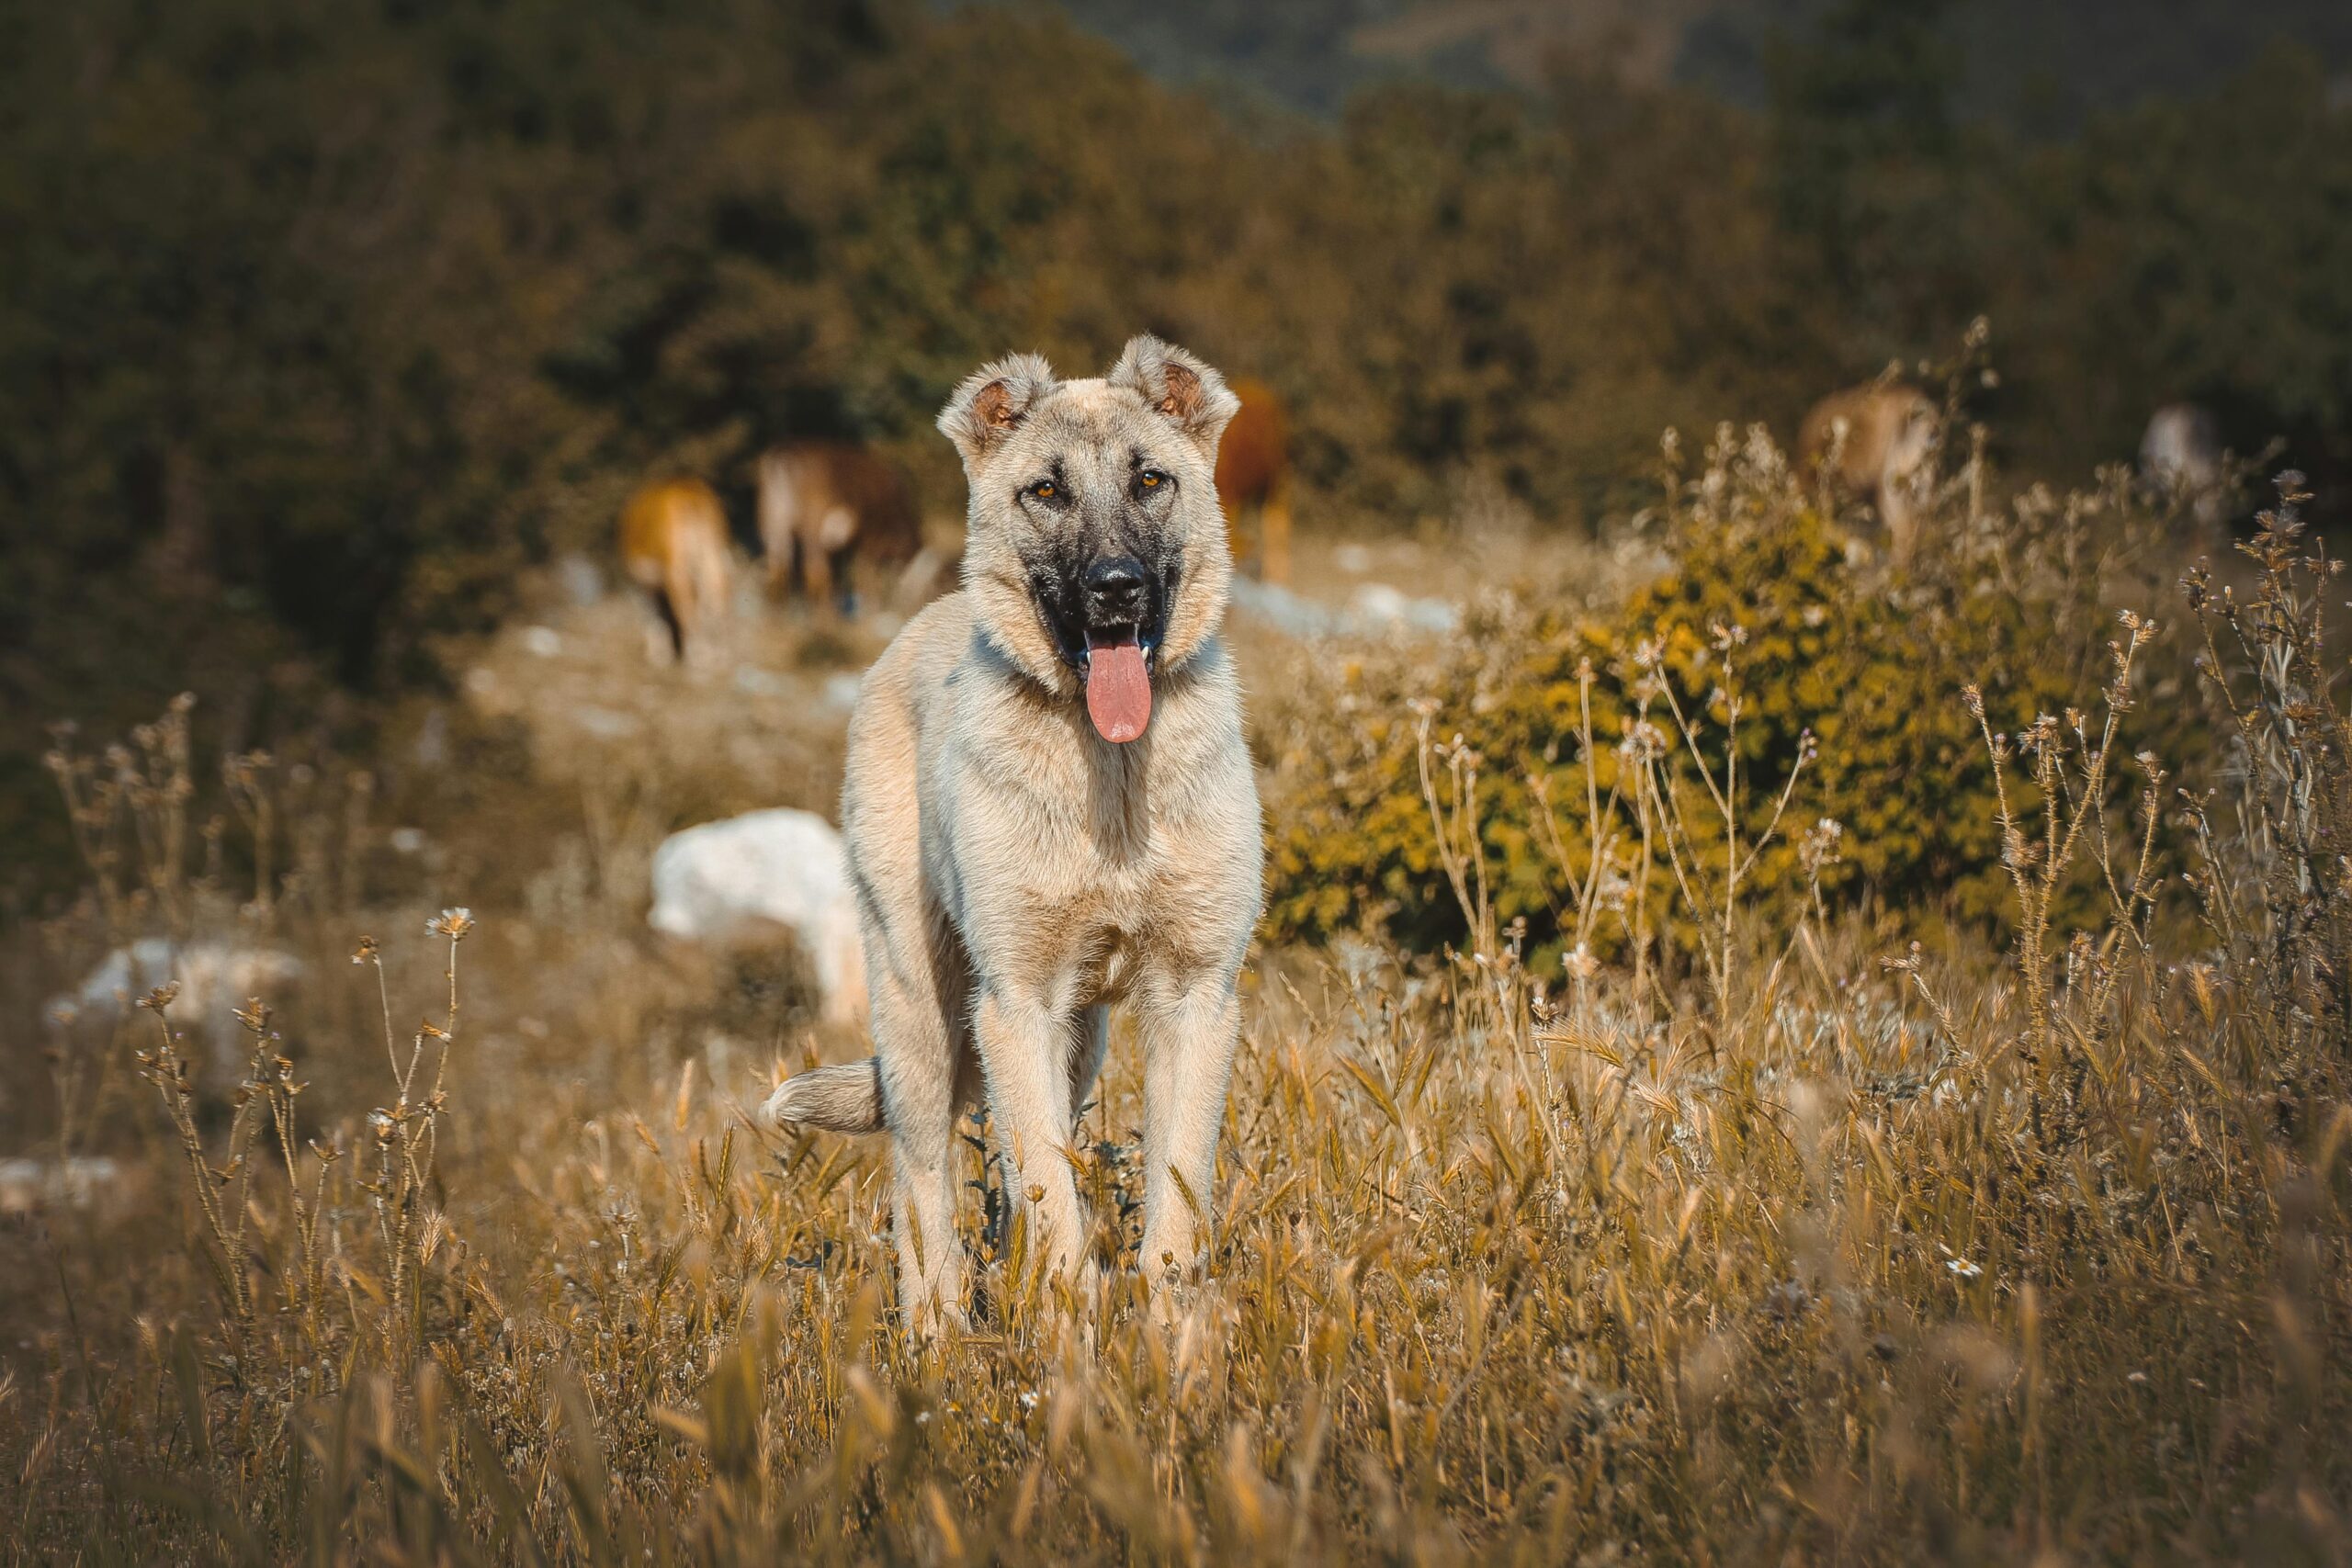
column 1767, row 680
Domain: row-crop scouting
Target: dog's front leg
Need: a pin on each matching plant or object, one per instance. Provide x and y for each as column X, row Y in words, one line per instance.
column 1191, row 1026
column 1024, row 1053
column 923, row 1216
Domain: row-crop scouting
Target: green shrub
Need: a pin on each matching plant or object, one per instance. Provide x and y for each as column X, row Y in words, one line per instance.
column 1864, row 663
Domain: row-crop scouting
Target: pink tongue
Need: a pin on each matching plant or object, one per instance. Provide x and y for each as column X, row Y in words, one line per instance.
column 1119, row 690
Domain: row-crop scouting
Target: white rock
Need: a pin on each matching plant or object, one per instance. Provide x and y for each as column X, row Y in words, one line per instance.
column 76, row 1180
column 1287, row 612
column 1373, row 609
column 430, row 748
column 603, row 723
column 215, row 979
column 725, row 880
column 582, row 581
column 1378, row 604
column 754, row 681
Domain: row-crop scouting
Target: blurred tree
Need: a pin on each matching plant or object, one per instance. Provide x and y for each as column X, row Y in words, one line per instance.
column 317, row 326
column 1870, row 168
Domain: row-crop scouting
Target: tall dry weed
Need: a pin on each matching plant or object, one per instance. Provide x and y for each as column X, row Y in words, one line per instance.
column 1777, row 1245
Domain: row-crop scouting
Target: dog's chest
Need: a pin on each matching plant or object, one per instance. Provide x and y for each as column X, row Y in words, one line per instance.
column 1075, row 858
column 1099, row 861
column 1088, row 919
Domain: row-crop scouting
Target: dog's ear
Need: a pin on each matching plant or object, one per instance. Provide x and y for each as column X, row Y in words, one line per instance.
column 992, row 400
column 1186, row 391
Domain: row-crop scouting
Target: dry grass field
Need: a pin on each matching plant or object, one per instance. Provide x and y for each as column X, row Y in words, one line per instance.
column 1743, row 1226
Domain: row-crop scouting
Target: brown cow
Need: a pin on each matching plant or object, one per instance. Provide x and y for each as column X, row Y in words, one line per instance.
column 824, row 503
column 674, row 542
column 1253, row 474
column 1882, row 434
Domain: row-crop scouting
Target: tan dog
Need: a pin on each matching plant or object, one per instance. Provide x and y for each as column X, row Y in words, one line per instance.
column 674, row 542
column 824, row 505
column 1881, row 434
column 1049, row 807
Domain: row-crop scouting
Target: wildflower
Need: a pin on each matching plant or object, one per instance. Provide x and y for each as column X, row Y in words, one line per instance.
column 366, row 952
column 1818, row 848
column 451, row 923
column 1580, row 963
column 1963, row 1268
column 1643, row 742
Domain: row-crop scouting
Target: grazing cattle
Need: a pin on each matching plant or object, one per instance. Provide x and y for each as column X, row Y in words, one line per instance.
column 824, row 505
column 674, row 542
column 2180, row 459
column 780, row 870
column 1253, row 479
column 1873, row 442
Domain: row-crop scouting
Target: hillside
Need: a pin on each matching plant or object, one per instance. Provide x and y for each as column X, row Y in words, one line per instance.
column 2033, row 67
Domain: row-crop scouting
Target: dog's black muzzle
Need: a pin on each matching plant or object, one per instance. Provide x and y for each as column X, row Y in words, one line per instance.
column 1114, row 601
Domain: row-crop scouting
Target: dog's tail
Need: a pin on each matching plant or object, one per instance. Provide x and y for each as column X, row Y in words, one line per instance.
column 843, row 1098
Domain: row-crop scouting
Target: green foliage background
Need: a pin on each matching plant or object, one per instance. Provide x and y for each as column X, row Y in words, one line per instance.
column 317, row 322
column 1871, row 667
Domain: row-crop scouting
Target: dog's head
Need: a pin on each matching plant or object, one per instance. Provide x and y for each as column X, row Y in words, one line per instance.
column 1095, row 551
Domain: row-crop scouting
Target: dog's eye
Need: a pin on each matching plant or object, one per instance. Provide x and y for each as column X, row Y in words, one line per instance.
column 1153, row 479
column 1044, row 490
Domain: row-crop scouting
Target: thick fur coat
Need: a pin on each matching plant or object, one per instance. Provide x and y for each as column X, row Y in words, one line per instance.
column 1016, row 871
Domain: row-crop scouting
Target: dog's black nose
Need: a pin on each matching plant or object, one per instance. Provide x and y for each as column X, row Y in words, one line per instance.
column 1115, row 592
